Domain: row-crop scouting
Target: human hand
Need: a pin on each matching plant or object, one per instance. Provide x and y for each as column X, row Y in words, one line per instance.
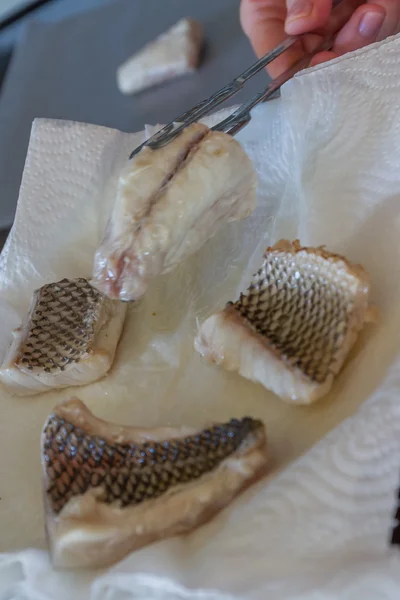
column 357, row 23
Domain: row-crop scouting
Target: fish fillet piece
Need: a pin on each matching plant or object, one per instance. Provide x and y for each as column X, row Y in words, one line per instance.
column 174, row 53
column 293, row 328
column 69, row 337
column 170, row 201
column 109, row 489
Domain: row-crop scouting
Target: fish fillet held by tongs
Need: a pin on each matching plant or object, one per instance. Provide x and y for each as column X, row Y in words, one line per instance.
column 169, row 203
column 178, row 188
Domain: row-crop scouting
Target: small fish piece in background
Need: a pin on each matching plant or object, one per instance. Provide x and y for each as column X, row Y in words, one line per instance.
column 69, row 337
column 169, row 202
column 111, row 489
column 172, row 54
column 294, row 327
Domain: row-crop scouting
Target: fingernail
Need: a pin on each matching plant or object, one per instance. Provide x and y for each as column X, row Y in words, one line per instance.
column 370, row 24
column 298, row 9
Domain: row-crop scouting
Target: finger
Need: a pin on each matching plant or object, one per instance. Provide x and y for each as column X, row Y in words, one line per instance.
column 306, row 15
column 391, row 25
column 362, row 29
column 322, row 57
column 341, row 15
column 263, row 22
column 333, row 22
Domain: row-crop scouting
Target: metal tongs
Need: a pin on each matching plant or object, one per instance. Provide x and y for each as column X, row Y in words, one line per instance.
column 240, row 117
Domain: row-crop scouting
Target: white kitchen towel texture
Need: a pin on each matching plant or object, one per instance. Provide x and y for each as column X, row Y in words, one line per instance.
column 328, row 159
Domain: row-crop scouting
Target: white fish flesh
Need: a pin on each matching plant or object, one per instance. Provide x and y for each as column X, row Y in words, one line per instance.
column 109, row 489
column 170, row 201
column 293, row 328
column 69, row 337
column 172, row 54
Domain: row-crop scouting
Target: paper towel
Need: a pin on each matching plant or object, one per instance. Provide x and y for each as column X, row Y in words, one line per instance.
column 328, row 158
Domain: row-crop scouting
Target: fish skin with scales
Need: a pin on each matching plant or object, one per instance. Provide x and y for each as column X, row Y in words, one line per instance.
column 109, row 489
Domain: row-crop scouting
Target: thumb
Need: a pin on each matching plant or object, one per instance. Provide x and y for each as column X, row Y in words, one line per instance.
column 263, row 22
column 306, row 15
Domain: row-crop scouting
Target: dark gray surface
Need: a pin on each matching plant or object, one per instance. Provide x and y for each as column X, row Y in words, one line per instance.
column 3, row 238
column 66, row 70
column 53, row 11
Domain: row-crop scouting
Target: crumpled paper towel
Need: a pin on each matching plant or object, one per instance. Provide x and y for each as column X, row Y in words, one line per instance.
column 328, row 159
